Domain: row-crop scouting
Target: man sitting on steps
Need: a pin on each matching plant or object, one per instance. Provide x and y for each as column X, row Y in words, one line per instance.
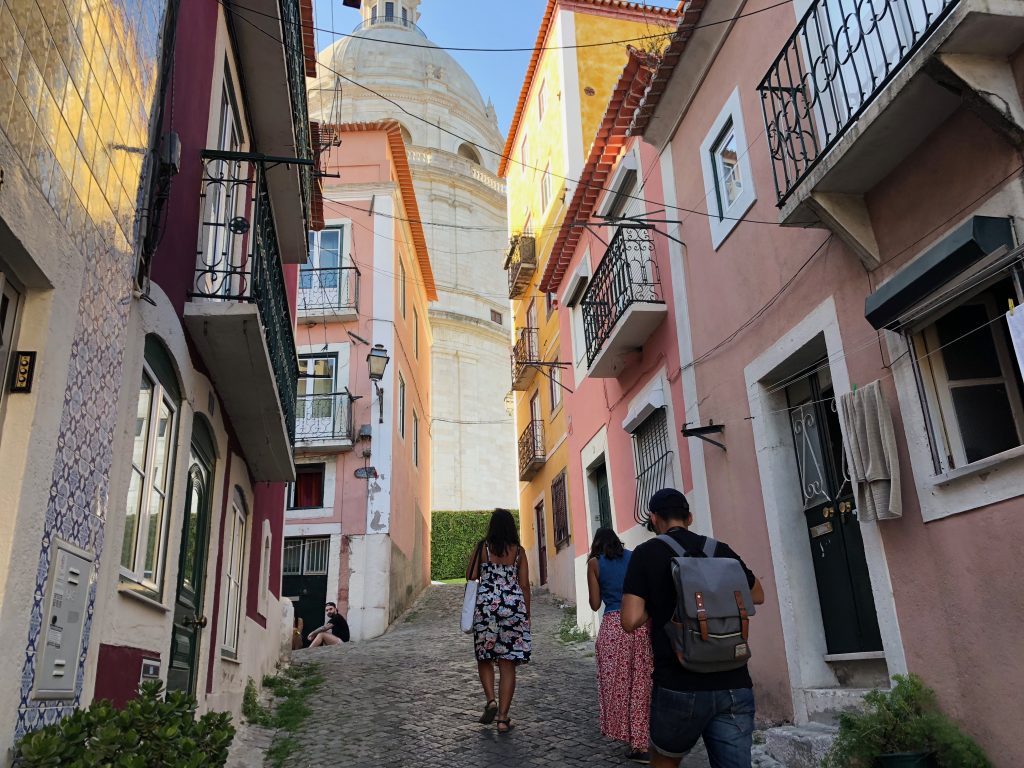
column 334, row 632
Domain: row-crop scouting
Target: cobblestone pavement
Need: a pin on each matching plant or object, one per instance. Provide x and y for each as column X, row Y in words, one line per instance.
column 412, row 698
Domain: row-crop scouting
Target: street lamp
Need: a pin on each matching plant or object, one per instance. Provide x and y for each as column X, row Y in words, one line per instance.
column 376, row 362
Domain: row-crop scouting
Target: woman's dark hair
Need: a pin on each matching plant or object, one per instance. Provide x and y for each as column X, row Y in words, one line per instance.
column 606, row 543
column 502, row 533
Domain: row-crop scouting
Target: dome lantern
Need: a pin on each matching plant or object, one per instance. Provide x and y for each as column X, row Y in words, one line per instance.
column 402, row 12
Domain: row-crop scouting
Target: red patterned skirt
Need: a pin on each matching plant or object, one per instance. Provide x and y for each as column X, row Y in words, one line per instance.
column 624, row 665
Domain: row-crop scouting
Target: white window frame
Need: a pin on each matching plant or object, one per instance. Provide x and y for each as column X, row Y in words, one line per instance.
column 325, row 501
column 540, row 100
column 9, row 330
column 572, row 298
column 401, row 405
column 340, row 291
column 415, row 438
column 545, row 189
column 416, row 333
column 524, row 153
column 554, row 387
column 402, row 301
column 135, row 572
column 234, row 574
column 723, row 221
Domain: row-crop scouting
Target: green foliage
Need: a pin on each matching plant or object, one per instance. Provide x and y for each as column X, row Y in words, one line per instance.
column 152, row 731
column 452, row 538
column 568, row 631
column 252, row 710
column 291, row 691
column 904, row 719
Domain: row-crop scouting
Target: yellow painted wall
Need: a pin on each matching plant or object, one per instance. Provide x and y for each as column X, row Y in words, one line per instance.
column 598, row 68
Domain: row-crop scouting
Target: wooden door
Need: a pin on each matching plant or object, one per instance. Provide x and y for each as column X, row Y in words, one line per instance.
column 542, row 546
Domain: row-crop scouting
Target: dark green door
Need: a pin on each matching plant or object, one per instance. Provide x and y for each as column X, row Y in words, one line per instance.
column 304, row 580
column 189, row 620
column 604, row 499
column 837, row 549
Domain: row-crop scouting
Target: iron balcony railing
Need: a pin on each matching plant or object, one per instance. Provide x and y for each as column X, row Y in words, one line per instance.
column 840, row 57
column 525, row 356
column 627, row 274
column 531, row 449
column 520, row 264
column 325, row 418
column 238, row 259
column 295, row 61
column 334, row 289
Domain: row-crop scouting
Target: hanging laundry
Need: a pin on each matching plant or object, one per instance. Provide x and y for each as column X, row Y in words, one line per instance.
column 871, row 453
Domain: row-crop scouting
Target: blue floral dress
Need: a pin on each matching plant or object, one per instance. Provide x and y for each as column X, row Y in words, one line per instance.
column 501, row 629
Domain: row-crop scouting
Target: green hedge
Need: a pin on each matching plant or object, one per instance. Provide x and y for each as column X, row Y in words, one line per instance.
column 452, row 536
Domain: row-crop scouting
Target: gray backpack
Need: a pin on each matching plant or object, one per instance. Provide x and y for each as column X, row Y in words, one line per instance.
column 709, row 625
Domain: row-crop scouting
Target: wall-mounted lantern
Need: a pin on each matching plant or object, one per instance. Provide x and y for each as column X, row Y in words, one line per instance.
column 376, row 362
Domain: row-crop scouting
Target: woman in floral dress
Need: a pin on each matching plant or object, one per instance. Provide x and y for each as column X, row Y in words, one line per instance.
column 624, row 659
column 501, row 620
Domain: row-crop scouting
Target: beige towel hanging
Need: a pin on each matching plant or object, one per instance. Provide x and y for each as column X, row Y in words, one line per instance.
column 871, row 453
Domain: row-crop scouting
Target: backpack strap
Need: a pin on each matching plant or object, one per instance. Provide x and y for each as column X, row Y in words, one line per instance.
column 676, row 546
column 710, row 546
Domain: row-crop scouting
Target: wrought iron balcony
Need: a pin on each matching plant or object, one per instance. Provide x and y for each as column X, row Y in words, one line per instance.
column 525, row 355
column 531, row 450
column 520, row 264
column 238, row 314
column 623, row 303
column 323, row 422
column 834, row 65
column 294, row 50
column 330, row 293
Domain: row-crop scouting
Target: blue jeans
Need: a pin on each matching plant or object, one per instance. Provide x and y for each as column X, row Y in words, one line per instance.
column 724, row 718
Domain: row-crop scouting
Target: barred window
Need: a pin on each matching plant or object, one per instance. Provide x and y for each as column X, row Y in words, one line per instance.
column 560, row 511
column 653, row 459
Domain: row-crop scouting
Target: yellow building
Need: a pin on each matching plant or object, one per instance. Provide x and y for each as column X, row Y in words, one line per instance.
column 564, row 96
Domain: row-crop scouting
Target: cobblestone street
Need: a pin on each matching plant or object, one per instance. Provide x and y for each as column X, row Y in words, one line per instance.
column 412, row 698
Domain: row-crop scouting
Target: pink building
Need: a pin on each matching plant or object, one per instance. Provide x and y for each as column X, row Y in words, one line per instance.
column 358, row 515
column 619, row 334
column 844, row 224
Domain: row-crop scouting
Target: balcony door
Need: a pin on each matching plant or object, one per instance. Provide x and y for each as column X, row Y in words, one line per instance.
column 837, row 549
column 852, row 46
column 542, row 545
column 316, row 411
column 322, row 282
column 535, row 422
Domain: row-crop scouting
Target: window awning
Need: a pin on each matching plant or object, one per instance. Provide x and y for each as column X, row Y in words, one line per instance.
column 978, row 237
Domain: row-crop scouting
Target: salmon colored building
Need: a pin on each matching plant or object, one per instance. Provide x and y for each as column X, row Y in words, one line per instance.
column 850, row 256
column 561, row 106
column 357, row 522
column 619, row 320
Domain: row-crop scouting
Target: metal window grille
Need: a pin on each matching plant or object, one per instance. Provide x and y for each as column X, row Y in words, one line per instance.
column 560, row 510
column 316, row 556
column 653, row 458
column 292, row 565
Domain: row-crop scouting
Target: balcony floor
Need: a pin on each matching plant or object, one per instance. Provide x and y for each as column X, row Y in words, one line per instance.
column 630, row 333
column 232, row 343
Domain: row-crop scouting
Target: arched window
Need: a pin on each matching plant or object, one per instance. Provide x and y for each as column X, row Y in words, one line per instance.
column 144, row 544
column 406, row 136
column 469, row 152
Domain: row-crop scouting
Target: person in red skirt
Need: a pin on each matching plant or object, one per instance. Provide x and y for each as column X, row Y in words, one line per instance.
column 624, row 661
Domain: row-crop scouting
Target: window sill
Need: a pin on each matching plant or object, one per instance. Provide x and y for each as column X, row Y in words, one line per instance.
column 978, row 467
column 865, row 656
column 226, row 655
column 133, row 593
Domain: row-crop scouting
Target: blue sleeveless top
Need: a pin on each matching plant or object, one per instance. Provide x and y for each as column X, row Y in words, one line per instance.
column 611, row 574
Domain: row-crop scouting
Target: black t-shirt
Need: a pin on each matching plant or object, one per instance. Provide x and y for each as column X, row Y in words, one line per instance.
column 650, row 576
column 339, row 627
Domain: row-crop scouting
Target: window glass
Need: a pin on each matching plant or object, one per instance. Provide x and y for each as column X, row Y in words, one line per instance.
column 728, row 177
column 555, row 385
column 496, row 317
column 233, row 580
column 415, row 439
column 560, row 510
column 545, row 188
column 401, row 405
column 308, row 488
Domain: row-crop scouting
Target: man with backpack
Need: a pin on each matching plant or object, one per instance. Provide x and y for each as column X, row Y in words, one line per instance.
column 698, row 595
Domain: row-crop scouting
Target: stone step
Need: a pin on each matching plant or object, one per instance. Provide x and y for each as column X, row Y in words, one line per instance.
column 799, row 746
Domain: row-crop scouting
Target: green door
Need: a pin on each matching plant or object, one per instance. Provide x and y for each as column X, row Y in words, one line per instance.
column 189, row 620
column 837, row 549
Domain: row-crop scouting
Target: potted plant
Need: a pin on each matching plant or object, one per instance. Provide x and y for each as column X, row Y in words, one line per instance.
column 902, row 728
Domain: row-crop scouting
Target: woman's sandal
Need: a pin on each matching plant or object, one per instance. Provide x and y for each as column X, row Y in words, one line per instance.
column 489, row 712
column 506, row 722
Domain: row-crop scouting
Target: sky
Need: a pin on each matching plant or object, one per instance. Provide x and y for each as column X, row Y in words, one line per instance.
column 468, row 23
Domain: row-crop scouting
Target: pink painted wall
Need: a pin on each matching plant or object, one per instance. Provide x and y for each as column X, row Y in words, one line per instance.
column 950, row 577
column 597, row 403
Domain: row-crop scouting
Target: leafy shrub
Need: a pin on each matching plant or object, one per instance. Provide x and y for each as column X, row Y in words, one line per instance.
column 904, row 719
column 252, row 710
column 452, row 537
column 150, row 732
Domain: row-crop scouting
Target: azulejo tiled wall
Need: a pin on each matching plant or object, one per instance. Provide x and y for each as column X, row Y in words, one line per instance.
column 77, row 87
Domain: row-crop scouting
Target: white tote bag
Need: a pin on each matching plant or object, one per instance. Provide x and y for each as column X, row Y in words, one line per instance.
column 469, row 599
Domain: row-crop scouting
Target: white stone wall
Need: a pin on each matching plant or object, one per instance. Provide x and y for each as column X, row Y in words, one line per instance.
column 462, row 205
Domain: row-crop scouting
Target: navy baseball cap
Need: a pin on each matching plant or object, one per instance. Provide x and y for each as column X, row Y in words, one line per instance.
column 668, row 500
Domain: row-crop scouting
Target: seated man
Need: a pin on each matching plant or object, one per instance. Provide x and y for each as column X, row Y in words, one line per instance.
column 334, row 632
